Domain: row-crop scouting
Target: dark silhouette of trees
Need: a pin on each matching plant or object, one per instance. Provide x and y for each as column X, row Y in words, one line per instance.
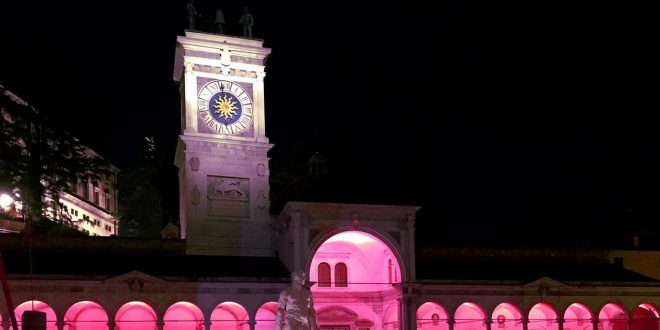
column 41, row 160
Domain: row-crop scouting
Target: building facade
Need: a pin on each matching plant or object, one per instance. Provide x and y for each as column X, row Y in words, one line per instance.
column 234, row 257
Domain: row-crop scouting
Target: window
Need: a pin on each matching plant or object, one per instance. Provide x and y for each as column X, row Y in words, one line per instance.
column 85, row 190
column 324, row 275
column 341, row 275
column 96, row 196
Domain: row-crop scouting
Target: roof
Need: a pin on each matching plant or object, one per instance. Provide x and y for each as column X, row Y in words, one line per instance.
column 525, row 271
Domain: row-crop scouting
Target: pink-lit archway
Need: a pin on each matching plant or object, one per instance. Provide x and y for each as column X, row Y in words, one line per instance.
column 39, row 306
column 469, row 316
column 356, row 265
column 266, row 315
column 578, row 317
column 371, row 264
column 506, row 316
column 542, row 316
column 229, row 316
column 183, row 316
column 85, row 315
column 645, row 317
column 612, row 317
column 431, row 316
column 135, row 315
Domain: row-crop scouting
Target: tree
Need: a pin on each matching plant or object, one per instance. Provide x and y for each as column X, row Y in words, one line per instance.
column 40, row 160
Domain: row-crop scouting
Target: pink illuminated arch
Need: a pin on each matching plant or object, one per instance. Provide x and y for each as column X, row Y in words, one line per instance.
column 135, row 315
column 85, row 315
column 265, row 318
column 229, row 316
column 183, row 316
column 578, row 317
column 362, row 256
column 542, row 317
column 469, row 316
column 507, row 316
column 645, row 317
column 431, row 316
column 612, row 317
column 39, row 306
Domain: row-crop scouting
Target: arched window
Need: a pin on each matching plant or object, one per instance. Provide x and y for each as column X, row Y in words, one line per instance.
column 324, row 275
column 341, row 275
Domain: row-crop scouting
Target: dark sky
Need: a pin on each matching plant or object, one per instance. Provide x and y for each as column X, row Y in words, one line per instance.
column 526, row 121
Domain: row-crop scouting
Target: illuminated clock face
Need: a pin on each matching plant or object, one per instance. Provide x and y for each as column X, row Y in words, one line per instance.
column 225, row 107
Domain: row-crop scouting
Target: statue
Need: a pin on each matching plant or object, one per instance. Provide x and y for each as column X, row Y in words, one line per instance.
column 247, row 21
column 297, row 302
column 219, row 21
column 192, row 14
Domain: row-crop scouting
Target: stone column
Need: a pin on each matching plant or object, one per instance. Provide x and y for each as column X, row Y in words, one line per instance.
column 489, row 322
column 259, row 106
column 190, row 94
column 450, row 322
column 111, row 324
column 160, row 324
column 560, row 322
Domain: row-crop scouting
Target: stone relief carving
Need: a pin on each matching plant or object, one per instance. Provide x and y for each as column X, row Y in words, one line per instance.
column 194, row 164
column 262, row 200
column 194, row 196
column 261, row 169
column 221, row 187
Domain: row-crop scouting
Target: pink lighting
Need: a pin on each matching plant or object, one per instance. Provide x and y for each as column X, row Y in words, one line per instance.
column 645, row 317
column 265, row 318
column 183, row 316
column 135, row 315
column 349, row 267
column 469, row 316
column 578, row 317
column 39, row 307
column 612, row 317
column 85, row 315
column 431, row 316
column 229, row 316
column 507, row 316
column 542, row 317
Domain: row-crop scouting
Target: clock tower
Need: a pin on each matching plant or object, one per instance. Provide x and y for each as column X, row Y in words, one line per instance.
column 222, row 150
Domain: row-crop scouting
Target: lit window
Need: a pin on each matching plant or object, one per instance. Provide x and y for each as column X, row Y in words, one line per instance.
column 341, row 275
column 324, row 275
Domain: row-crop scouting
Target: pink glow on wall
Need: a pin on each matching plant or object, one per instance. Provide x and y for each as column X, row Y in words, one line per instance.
column 229, row 316
column 645, row 317
column 135, row 315
column 542, row 317
column 578, row 317
column 507, row 316
column 370, row 263
column 85, row 315
column 183, row 316
column 359, row 266
column 39, row 306
column 265, row 318
column 431, row 316
column 612, row 317
column 469, row 316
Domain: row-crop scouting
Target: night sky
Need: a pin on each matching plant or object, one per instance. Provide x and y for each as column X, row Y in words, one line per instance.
column 519, row 122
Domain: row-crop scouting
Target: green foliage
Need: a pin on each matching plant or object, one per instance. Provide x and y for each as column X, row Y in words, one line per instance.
column 40, row 159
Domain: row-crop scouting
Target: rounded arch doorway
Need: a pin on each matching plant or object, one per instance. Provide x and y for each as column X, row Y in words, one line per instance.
column 348, row 270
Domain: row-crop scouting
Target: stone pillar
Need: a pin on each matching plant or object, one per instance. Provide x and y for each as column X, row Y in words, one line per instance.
column 60, row 325
column 252, row 323
column 111, row 324
column 160, row 324
column 190, row 94
column 259, row 106
column 524, row 320
column 298, row 244
column 207, row 324
column 450, row 322
column 560, row 322
column 489, row 322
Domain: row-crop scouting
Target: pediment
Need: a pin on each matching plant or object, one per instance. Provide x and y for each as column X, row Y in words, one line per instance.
column 134, row 277
column 336, row 314
column 545, row 282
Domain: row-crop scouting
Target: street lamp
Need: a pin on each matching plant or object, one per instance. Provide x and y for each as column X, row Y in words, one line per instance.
column 6, row 201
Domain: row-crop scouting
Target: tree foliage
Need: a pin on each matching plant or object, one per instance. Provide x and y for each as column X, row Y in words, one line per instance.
column 40, row 160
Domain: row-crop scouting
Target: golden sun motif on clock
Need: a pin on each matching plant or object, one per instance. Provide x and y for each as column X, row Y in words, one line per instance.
column 225, row 107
